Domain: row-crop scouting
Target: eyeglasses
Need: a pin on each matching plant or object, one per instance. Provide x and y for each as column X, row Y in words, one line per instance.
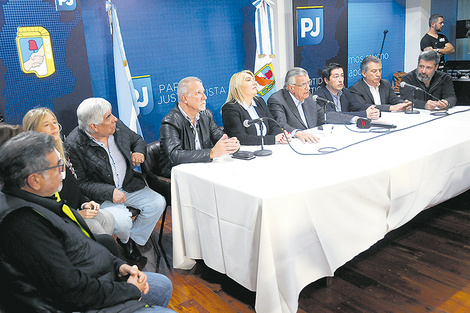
column 60, row 165
column 305, row 84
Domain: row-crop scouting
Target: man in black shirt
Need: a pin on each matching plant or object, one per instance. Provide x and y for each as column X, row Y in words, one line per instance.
column 436, row 91
column 435, row 41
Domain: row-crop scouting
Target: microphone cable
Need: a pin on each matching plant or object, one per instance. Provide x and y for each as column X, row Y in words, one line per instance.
column 285, row 132
column 372, row 129
column 328, row 150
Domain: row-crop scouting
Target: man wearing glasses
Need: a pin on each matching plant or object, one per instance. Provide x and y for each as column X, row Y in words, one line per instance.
column 49, row 258
column 296, row 111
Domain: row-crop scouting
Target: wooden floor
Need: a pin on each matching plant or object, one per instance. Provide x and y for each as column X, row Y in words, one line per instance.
column 422, row 267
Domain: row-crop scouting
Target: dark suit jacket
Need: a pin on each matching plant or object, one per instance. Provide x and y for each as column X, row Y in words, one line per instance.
column 349, row 103
column 283, row 108
column 233, row 116
column 387, row 95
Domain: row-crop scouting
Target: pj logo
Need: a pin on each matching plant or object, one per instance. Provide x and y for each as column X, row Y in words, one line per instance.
column 65, row 5
column 309, row 25
column 144, row 94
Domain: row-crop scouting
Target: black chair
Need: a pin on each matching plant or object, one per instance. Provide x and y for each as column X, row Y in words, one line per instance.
column 160, row 184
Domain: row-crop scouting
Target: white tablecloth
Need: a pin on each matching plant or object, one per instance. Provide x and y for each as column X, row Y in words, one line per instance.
column 277, row 223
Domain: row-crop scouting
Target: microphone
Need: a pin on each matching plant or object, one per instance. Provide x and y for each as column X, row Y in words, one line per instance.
column 367, row 123
column 405, row 84
column 320, row 99
column 248, row 123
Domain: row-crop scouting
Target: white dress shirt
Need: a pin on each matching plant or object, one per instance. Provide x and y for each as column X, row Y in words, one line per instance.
column 375, row 92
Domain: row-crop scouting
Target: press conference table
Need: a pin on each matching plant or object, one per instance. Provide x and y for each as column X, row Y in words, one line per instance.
column 275, row 224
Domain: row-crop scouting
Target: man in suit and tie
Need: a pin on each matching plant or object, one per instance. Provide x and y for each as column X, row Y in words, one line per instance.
column 344, row 101
column 294, row 108
column 373, row 90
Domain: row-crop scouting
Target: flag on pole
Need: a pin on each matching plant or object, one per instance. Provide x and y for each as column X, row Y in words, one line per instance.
column 128, row 108
column 264, row 26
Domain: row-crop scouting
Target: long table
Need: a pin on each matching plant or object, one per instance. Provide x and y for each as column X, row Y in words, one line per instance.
column 275, row 224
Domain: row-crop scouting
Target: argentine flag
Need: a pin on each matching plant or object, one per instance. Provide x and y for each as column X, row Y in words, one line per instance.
column 264, row 26
column 128, row 108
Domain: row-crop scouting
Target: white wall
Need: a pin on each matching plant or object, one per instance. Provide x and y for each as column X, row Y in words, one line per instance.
column 417, row 16
column 284, row 45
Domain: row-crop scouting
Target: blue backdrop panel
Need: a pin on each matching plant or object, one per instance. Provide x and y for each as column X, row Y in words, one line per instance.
column 99, row 47
column 314, row 54
column 169, row 40
column 366, row 24
column 67, row 86
column 448, row 8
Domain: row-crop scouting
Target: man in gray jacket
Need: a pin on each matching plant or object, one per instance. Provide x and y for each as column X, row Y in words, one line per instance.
column 103, row 152
column 295, row 109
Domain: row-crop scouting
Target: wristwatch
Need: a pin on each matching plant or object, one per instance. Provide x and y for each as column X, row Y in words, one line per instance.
column 437, row 50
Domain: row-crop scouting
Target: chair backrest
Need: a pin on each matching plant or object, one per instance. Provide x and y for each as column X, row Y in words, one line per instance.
column 151, row 170
column 152, row 162
column 397, row 76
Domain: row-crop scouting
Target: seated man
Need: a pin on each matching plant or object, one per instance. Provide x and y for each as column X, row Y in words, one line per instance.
column 49, row 258
column 103, row 150
column 189, row 133
column 294, row 108
column 438, row 88
column 373, row 90
column 344, row 101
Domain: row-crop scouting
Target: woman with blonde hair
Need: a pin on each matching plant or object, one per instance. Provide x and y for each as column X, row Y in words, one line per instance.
column 243, row 104
column 99, row 221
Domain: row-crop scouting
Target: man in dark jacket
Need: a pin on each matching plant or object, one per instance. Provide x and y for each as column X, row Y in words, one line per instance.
column 373, row 90
column 435, row 88
column 103, row 152
column 49, row 259
column 189, row 133
column 340, row 98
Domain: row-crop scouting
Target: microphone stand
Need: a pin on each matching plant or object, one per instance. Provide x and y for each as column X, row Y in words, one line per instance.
column 383, row 41
column 320, row 127
column 414, row 88
column 412, row 111
column 262, row 151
